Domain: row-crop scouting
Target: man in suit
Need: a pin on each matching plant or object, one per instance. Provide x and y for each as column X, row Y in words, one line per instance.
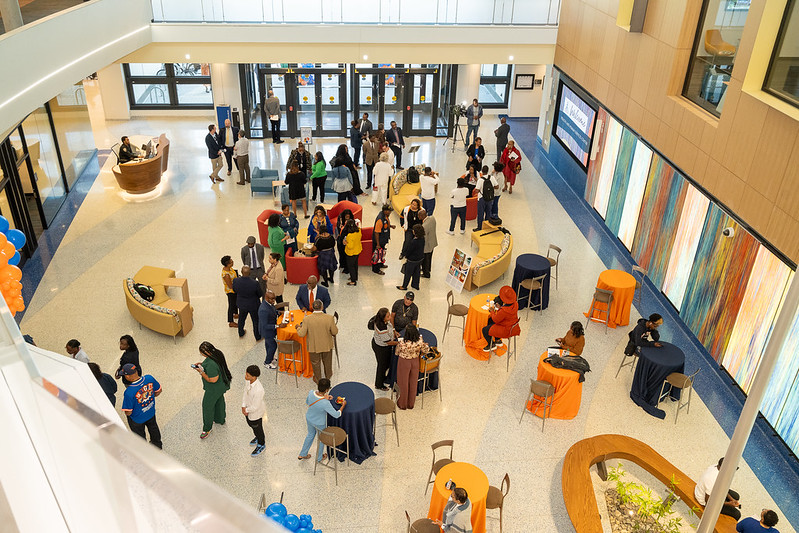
column 227, row 140
column 252, row 255
column 272, row 106
column 320, row 330
column 430, row 240
column 267, row 317
column 502, row 136
column 396, row 142
column 371, row 154
column 356, row 141
column 365, row 127
column 127, row 152
column 214, row 153
column 248, row 300
column 473, row 114
column 310, row 293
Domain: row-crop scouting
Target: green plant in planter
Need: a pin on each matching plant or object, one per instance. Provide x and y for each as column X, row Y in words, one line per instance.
column 653, row 513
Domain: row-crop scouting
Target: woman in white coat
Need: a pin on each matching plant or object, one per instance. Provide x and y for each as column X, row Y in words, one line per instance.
column 381, row 175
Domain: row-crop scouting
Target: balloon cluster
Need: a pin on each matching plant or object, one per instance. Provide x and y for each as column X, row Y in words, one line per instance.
column 302, row 524
column 11, row 240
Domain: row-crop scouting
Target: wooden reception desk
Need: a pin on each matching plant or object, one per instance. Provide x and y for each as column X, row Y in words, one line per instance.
column 139, row 177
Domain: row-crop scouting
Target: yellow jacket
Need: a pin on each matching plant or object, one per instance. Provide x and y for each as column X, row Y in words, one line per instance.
column 353, row 243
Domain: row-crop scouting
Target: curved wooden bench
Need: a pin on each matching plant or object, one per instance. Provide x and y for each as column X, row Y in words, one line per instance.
column 578, row 489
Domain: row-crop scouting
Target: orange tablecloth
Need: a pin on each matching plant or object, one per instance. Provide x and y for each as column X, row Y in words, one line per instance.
column 476, row 320
column 289, row 333
column 468, row 477
column 568, row 391
column 623, row 286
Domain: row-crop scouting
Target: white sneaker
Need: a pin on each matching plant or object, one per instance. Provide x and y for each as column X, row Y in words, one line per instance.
column 449, row 232
column 271, row 366
column 463, row 231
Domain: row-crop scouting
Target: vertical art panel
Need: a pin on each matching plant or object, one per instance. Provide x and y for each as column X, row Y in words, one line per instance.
column 595, row 165
column 660, row 212
column 762, row 301
column 717, row 282
column 635, row 194
column 621, row 177
column 788, row 422
column 606, row 171
column 686, row 240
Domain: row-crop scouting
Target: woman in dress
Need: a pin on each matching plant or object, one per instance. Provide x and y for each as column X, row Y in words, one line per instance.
column 216, row 381
column 409, row 349
column 276, row 237
column 352, row 248
column 275, row 277
column 381, row 233
column 512, row 159
column 414, row 254
column 130, row 355
column 295, row 180
column 290, row 226
column 382, row 342
column 319, row 218
column 342, row 158
column 574, row 340
column 341, row 221
column 228, row 275
column 382, row 176
column 326, row 261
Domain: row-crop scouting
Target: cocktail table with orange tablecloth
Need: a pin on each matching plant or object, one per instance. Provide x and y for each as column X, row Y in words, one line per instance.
column 476, row 320
column 289, row 333
column 568, row 391
column 623, row 286
column 468, row 477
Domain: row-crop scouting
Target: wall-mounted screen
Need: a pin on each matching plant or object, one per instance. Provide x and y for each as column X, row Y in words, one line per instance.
column 574, row 124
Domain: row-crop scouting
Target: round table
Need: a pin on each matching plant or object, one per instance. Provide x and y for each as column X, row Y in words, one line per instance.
column 530, row 266
column 654, row 365
column 568, row 391
column 289, row 333
column 623, row 286
column 432, row 379
column 476, row 320
column 468, row 477
column 357, row 419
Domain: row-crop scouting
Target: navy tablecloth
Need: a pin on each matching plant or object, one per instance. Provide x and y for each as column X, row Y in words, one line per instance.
column 654, row 364
column 531, row 266
column 357, row 419
column 432, row 379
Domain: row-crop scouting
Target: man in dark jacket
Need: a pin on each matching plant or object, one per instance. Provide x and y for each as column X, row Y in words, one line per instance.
column 228, row 135
column 645, row 333
column 214, row 153
column 248, row 299
column 396, row 142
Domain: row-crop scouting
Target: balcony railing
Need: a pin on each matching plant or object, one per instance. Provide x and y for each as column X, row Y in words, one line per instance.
column 432, row 12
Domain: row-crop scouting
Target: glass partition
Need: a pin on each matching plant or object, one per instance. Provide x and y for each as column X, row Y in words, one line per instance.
column 73, row 130
column 168, row 85
column 782, row 79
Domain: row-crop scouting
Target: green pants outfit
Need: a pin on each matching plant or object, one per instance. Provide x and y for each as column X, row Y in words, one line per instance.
column 214, row 397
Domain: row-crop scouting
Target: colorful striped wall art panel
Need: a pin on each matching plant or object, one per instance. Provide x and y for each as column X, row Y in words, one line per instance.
column 609, row 157
column 595, row 165
column 788, row 422
column 635, row 194
column 784, row 376
column 621, row 178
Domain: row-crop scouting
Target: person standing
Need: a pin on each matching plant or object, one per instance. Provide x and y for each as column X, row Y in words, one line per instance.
column 302, row 158
column 310, row 293
column 138, row 404
column 216, row 382
column 241, row 152
column 473, row 114
column 342, row 159
column 476, row 153
column 319, row 407
column 408, row 219
column 130, row 355
column 318, row 177
column 272, row 105
column 227, row 139
column 413, row 251
column 76, row 352
column 382, row 175
column 214, row 153
column 326, row 258
column 499, row 177
column 381, row 234
column 486, row 189
column 429, row 182
column 512, row 159
column 275, row 277
column 341, row 223
column 267, row 319
column 252, row 255
column 502, row 136
column 457, row 206
column 382, row 341
column 430, row 240
column 404, row 312
column 409, row 350
column 248, row 299
column 356, row 140
column 365, row 129
column 106, row 382
column 276, row 237
column 320, row 328
column 296, row 180
column 254, row 409
column 290, row 227
column 768, row 519
column 396, row 142
column 352, row 248
column 371, row 154
column 228, row 275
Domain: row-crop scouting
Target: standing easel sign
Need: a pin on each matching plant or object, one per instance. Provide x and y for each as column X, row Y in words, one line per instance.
column 306, row 134
column 458, row 269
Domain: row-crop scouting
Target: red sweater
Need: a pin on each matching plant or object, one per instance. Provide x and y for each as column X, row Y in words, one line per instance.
column 504, row 318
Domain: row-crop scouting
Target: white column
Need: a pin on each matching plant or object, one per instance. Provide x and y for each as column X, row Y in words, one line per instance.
column 749, row 413
column 12, row 16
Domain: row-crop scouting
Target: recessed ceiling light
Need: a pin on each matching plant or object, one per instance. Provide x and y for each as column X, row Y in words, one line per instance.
column 365, row 56
column 188, row 56
column 510, row 58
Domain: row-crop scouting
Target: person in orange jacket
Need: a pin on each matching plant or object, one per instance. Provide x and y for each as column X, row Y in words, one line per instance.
column 503, row 319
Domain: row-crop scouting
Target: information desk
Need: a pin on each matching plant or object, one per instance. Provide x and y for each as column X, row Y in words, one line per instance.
column 143, row 176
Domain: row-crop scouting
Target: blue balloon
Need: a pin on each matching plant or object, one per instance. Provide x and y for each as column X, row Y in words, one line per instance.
column 304, row 530
column 276, row 509
column 16, row 237
column 15, row 260
column 4, row 225
column 291, row 522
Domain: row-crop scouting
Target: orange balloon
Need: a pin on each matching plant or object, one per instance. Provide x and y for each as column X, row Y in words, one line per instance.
column 20, row 304
column 16, row 273
column 3, row 240
column 9, row 249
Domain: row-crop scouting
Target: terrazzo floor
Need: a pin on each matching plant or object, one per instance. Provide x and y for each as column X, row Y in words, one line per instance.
column 191, row 224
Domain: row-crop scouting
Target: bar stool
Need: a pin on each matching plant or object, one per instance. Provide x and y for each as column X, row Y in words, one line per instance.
column 386, row 406
column 542, row 389
column 600, row 296
column 427, row 367
column 534, row 284
column 423, row 525
column 454, row 309
column 332, row 437
column 638, row 295
column 553, row 261
column 679, row 381
column 292, row 354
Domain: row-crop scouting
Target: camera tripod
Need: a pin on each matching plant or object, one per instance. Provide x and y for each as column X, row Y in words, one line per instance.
column 456, row 132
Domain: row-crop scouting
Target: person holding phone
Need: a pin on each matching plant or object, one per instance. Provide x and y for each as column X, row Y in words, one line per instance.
column 319, row 407
column 216, row 382
column 457, row 513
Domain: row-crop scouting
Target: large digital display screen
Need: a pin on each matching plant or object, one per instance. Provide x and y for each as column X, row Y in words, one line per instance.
column 575, row 124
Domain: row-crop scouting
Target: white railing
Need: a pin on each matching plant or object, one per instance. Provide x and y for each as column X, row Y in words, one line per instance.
column 441, row 12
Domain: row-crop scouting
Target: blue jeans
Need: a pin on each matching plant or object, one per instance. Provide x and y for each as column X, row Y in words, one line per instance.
column 471, row 131
column 429, row 206
column 454, row 213
column 309, row 438
column 483, row 211
column 495, row 207
column 271, row 347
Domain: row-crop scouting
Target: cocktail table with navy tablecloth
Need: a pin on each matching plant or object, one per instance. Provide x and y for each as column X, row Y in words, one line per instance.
column 357, row 419
column 654, row 365
column 530, row 266
column 432, row 379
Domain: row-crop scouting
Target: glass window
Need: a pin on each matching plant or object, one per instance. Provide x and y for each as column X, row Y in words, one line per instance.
column 494, row 85
column 782, row 79
column 715, row 46
column 151, row 93
column 73, row 130
column 147, row 69
column 169, row 85
column 194, row 94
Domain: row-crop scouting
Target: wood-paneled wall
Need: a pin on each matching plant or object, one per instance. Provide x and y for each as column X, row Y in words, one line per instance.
column 748, row 158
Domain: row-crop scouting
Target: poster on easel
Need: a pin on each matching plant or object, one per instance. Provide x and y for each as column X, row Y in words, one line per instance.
column 458, row 269
column 306, row 135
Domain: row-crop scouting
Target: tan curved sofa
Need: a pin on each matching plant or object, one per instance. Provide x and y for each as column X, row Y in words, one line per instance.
column 491, row 261
column 163, row 314
column 400, row 193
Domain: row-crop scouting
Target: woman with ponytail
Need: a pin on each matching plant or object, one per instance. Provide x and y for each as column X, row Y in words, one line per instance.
column 216, row 382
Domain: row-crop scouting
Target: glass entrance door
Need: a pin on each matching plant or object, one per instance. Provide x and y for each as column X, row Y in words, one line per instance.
column 273, row 78
column 423, row 104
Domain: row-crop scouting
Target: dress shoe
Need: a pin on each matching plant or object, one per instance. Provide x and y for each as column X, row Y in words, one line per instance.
column 219, row 179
